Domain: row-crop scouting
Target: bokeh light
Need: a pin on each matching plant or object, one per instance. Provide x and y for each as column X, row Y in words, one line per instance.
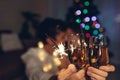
column 78, row 21
column 78, row 12
column 101, row 29
column 82, row 25
column 87, row 27
column 97, row 26
column 86, row 3
column 94, row 18
column 87, row 35
column 95, row 32
column 87, row 19
column 85, row 11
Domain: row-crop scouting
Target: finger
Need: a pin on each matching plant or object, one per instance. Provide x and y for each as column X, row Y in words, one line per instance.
column 72, row 68
column 81, row 73
column 95, row 76
column 97, row 71
column 64, row 73
column 108, row 68
column 92, row 78
column 83, row 78
column 78, row 75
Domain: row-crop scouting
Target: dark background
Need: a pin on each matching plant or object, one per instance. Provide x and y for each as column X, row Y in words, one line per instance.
column 11, row 19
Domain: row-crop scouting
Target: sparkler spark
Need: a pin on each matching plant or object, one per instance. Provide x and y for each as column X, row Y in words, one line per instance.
column 60, row 51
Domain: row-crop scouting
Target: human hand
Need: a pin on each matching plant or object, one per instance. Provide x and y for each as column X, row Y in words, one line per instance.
column 80, row 75
column 66, row 73
column 101, row 73
column 107, row 68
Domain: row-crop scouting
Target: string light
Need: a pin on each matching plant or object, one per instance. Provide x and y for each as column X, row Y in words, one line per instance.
column 82, row 25
column 87, row 35
column 94, row 18
column 86, row 3
column 94, row 23
column 101, row 29
column 95, row 32
column 87, row 27
column 100, row 36
column 97, row 26
column 85, row 11
column 87, row 19
column 78, row 12
column 78, row 20
column 40, row 44
column 47, row 67
column 57, row 61
column 42, row 55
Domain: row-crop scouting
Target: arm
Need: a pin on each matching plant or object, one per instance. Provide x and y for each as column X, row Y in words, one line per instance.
column 34, row 65
column 34, row 70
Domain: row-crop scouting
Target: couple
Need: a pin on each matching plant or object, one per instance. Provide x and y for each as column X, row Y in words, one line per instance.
column 56, row 29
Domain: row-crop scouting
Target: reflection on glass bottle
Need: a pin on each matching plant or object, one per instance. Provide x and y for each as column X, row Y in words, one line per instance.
column 98, row 51
column 104, row 58
column 79, row 54
column 94, row 51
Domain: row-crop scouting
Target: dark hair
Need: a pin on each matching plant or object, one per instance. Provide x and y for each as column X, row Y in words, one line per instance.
column 74, row 26
column 50, row 28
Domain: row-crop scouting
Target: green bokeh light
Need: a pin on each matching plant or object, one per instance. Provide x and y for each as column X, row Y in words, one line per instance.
column 95, row 32
column 87, row 27
column 78, row 21
column 86, row 3
column 85, row 11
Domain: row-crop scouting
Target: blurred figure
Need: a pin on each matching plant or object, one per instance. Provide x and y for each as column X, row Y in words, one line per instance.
column 39, row 61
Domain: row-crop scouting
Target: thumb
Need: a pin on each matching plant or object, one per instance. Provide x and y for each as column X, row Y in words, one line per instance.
column 65, row 73
column 71, row 68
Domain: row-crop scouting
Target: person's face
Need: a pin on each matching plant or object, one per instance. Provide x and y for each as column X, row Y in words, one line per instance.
column 60, row 37
column 68, row 32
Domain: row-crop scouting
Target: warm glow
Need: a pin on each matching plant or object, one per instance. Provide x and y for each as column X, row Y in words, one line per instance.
column 93, row 60
column 71, row 47
column 57, row 61
column 42, row 55
column 60, row 51
column 47, row 67
column 40, row 44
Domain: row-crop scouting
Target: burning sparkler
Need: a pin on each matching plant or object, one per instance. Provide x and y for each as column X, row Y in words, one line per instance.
column 60, row 51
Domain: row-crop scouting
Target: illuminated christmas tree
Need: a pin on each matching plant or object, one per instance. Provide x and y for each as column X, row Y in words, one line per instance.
column 84, row 13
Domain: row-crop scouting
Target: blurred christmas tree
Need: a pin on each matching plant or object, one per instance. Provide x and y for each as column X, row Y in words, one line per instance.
column 84, row 13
